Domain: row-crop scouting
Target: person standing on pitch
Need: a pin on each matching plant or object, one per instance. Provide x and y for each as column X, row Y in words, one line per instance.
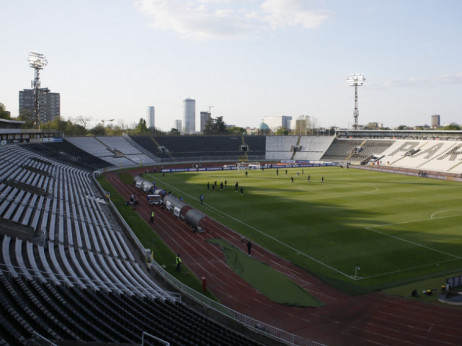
column 178, row 263
column 249, row 247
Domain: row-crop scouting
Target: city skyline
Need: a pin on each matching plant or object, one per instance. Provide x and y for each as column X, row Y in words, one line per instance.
column 247, row 59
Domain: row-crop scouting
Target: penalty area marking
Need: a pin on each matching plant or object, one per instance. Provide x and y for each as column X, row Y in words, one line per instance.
column 352, row 277
column 454, row 257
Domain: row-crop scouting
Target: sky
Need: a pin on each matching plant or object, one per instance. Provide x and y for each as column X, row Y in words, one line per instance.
column 243, row 59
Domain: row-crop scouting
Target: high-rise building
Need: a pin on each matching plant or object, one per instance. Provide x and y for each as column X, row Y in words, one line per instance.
column 278, row 122
column 189, row 121
column 436, row 121
column 178, row 125
column 49, row 104
column 150, row 114
column 205, row 117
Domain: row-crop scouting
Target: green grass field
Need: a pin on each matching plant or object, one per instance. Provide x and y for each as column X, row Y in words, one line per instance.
column 396, row 228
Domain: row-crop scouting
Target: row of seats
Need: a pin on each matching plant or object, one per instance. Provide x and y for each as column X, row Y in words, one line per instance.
column 71, row 229
column 433, row 155
column 203, row 147
column 61, row 313
column 66, row 269
column 68, row 153
column 116, row 151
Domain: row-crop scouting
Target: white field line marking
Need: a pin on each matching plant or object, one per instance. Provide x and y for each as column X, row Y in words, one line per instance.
column 298, row 252
column 442, row 211
column 410, row 268
column 305, row 188
column 266, row 235
column 413, row 243
column 410, row 241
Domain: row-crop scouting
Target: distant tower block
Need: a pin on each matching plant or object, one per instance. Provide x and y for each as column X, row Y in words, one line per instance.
column 189, row 121
column 436, row 121
column 150, row 114
column 356, row 80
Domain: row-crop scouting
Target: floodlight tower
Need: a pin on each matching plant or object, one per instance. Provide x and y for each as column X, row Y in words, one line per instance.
column 37, row 61
column 356, row 79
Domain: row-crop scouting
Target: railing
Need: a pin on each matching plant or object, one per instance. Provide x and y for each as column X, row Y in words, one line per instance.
column 44, row 339
column 249, row 322
column 153, row 337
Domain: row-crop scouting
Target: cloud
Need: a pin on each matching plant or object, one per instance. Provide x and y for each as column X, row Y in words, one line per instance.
column 282, row 13
column 443, row 79
column 229, row 19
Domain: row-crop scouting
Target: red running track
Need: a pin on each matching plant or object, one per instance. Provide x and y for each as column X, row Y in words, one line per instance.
column 370, row 319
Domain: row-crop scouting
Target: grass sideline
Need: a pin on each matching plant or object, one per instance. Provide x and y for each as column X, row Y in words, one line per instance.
column 149, row 239
column 395, row 227
column 269, row 282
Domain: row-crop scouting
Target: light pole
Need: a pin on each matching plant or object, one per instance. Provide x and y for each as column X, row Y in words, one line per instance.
column 356, row 79
column 37, row 61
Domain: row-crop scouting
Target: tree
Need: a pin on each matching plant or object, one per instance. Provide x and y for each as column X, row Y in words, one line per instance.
column 27, row 116
column 174, row 132
column 305, row 125
column 98, row 130
column 451, row 127
column 235, row 130
column 4, row 114
column 215, row 126
column 83, row 120
column 372, row 126
column 141, row 127
column 281, row 131
column 402, row 127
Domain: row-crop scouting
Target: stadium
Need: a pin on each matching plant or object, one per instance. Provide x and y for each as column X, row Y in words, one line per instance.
column 352, row 239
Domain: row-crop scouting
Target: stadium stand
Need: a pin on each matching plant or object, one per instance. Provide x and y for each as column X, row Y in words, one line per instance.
column 66, row 269
column 368, row 148
column 280, row 147
column 437, row 156
column 116, row 151
column 68, row 153
column 341, row 149
column 204, row 148
column 312, row 147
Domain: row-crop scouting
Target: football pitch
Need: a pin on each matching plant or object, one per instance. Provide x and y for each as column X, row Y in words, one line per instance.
column 359, row 230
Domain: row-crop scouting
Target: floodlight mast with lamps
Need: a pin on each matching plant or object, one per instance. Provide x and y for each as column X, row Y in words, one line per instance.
column 37, row 61
column 356, row 79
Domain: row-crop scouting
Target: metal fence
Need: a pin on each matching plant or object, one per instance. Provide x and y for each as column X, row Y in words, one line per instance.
column 249, row 322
